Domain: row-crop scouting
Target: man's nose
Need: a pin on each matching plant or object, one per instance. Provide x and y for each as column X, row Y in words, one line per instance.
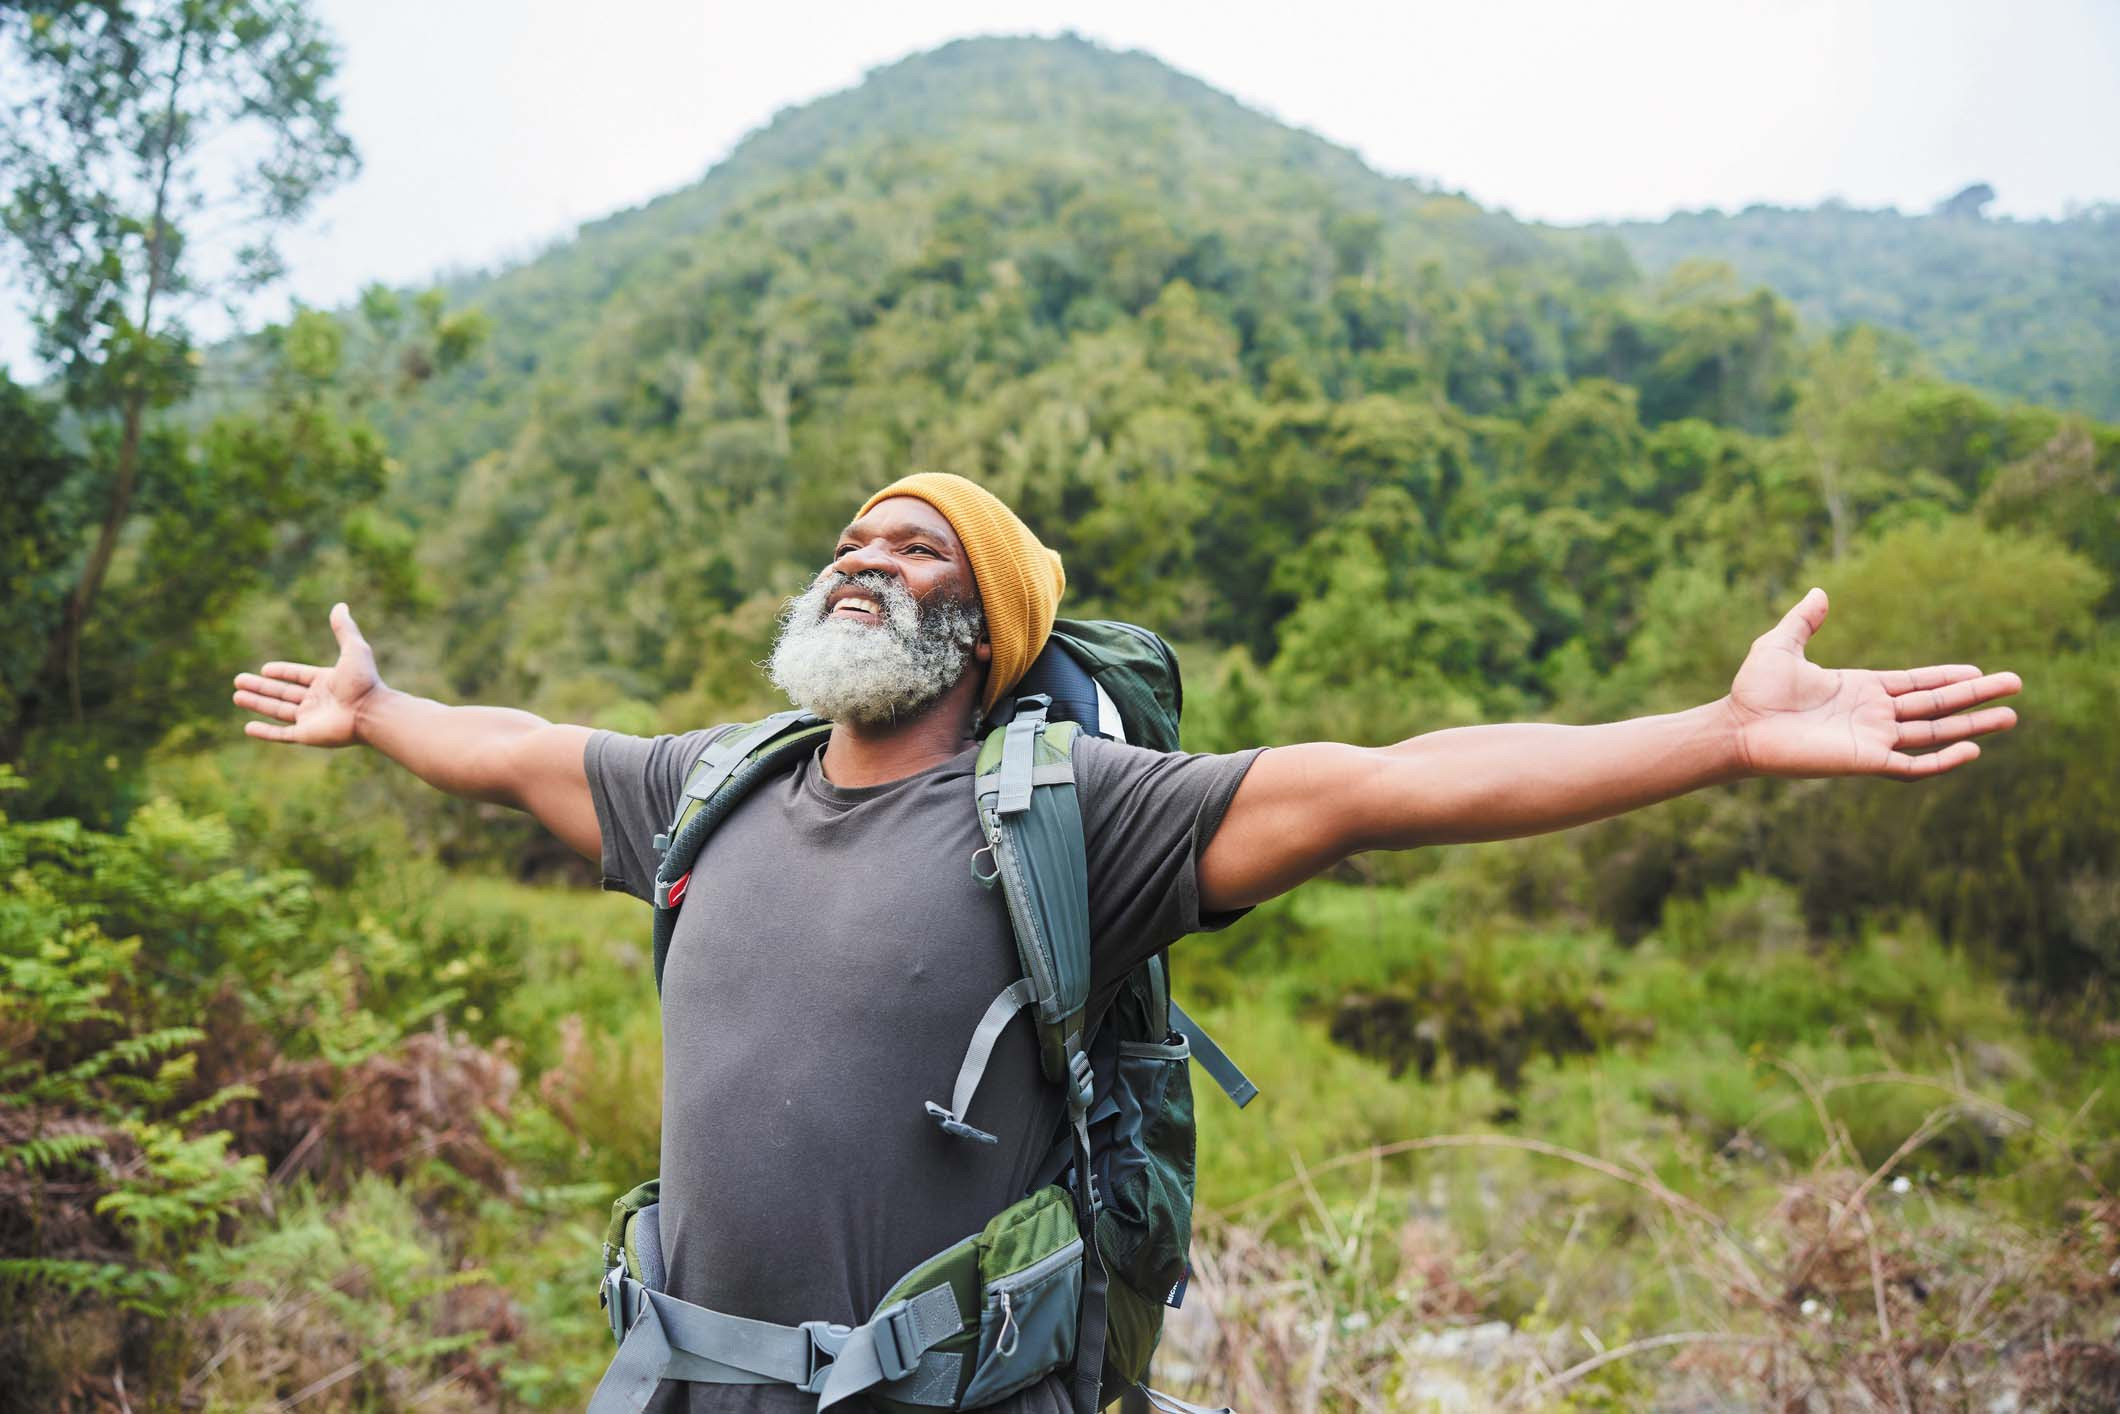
column 871, row 556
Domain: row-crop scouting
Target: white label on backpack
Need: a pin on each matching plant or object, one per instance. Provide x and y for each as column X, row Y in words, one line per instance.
column 1109, row 722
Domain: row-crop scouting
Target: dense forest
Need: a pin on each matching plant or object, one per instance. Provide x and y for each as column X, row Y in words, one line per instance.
column 2021, row 308
column 1799, row 1093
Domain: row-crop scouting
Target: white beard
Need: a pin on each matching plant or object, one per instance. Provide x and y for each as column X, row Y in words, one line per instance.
column 872, row 674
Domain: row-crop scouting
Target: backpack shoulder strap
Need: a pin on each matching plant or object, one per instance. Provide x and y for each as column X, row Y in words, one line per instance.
column 1025, row 788
column 1024, row 784
column 727, row 770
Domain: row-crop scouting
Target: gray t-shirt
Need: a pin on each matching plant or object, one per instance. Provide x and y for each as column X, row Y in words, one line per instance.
column 829, row 964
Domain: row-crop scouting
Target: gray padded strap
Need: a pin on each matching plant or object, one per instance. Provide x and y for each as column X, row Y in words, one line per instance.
column 673, row 1339
column 1213, row 1059
column 1017, row 761
column 999, row 1012
column 755, row 1352
column 724, row 754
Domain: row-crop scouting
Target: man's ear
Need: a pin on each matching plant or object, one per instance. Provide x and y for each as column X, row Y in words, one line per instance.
column 983, row 651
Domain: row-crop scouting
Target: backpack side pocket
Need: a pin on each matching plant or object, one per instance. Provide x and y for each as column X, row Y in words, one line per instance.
column 1145, row 1230
column 1030, row 1270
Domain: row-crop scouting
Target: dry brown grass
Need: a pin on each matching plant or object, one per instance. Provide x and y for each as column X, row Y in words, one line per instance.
column 1853, row 1289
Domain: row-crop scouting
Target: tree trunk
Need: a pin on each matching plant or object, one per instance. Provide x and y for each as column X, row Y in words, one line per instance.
column 69, row 646
column 65, row 655
column 1836, row 505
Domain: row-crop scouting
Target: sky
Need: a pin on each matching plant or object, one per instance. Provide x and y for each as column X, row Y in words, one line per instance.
column 491, row 128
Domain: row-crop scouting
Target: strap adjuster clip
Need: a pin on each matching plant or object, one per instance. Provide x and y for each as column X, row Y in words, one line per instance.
column 827, row 1339
column 611, row 1295
column 897, row 1340
column 953, row 1125
column 1082, row 1087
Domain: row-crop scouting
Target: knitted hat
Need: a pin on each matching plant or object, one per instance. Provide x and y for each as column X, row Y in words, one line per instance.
column 1020, row 581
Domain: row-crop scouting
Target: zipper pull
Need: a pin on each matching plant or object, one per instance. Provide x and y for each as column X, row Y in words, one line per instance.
column 1005, row 1343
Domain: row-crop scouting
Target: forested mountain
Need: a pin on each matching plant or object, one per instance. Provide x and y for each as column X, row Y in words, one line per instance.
column 2027, row 309
column 1399, row 461
column 902, row 274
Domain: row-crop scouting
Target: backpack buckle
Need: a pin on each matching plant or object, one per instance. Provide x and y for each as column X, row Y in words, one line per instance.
column 827, row 1339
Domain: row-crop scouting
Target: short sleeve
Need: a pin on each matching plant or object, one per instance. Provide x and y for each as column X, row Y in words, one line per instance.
column 1146, row 818
column 635, row 782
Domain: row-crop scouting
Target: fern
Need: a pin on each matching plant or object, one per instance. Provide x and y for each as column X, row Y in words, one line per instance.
column 153, row 1092
column 226, row 1095
column 73, row 1277
column 138, row 1050
column 189, row 1184
column 72, row 1085
column 50, row 1151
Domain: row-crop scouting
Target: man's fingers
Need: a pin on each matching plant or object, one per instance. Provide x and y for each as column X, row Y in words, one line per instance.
column 1947, row 729
column 266, row 731
column 1956, row 697
column 270, row 687
column 1901, row 766
column 266, row 706
column 303, row 673
column 1797, row 626
column 1936, row 675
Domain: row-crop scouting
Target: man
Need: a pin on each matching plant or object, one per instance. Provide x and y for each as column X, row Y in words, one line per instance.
column 835, row 950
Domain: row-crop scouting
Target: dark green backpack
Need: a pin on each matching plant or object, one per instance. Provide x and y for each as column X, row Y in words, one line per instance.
column 1027, row 1295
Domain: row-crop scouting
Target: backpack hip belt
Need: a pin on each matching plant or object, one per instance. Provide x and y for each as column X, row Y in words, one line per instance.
column 665, row 1338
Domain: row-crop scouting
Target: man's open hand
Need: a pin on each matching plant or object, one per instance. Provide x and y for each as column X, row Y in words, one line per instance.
column 308, row 705
column 1794, row 718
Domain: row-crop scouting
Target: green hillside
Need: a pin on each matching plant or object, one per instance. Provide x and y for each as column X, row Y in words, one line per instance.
column 2025, row 309
column 1794, row 1094
column 1384, row 460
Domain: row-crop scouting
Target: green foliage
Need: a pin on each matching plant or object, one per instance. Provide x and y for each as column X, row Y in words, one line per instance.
column 104, row 190
column 135, row 531
column 258, row 497
column 2019, row 307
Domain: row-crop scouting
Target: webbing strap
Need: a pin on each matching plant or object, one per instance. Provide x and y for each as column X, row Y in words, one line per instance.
column 1212, row 1058
column 999, row 1012
column 1018, row 763
column 673, row 1339
column 1090, row 1315
column 1171, row 1404
column 1044, row 773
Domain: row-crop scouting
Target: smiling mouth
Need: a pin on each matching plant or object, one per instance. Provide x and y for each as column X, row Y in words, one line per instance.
column 858, row 608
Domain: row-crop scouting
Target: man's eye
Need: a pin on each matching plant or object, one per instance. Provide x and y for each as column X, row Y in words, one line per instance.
column 841, row 551
column 919, row 550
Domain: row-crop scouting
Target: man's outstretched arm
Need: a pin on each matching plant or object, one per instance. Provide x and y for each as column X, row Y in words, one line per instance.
column 1302, row 809
column 481, row 753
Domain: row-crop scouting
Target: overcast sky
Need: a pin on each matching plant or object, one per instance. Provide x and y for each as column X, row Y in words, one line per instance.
column 489, row 128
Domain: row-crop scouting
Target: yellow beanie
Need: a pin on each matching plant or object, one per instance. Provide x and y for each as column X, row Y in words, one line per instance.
column 1020, row 581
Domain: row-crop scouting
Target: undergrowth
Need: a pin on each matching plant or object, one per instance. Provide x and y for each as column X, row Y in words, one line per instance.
column 273, row 1141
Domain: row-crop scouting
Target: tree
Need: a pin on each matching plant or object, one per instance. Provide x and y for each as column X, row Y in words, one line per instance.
column 248, row 501
column 149, row 154
column 1969, row 204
